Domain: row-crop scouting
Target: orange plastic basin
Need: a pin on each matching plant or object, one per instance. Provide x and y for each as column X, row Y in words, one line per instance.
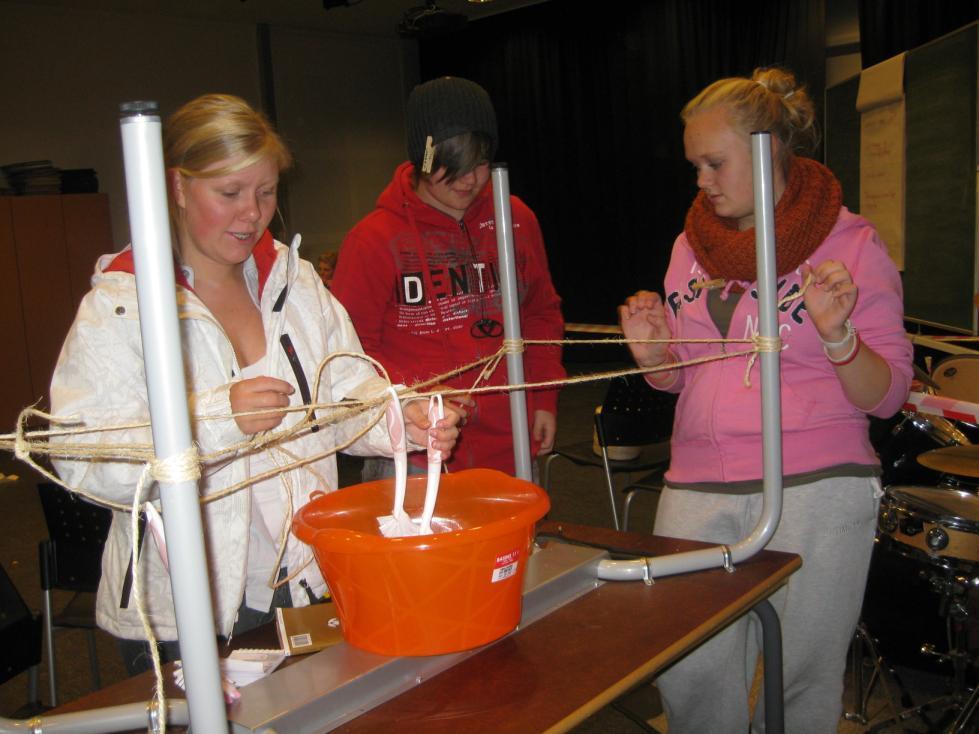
column 427, row 594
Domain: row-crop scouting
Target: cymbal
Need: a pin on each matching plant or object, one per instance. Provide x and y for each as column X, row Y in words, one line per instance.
column 960, row 460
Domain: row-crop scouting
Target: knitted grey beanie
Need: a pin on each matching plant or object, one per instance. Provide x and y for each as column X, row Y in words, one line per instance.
column 444, row 108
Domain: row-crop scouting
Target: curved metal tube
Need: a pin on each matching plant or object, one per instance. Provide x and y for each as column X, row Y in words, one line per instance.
column 771, row 404
column 127, row 717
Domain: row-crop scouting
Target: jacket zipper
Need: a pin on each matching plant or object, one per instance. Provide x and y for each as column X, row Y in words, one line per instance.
column 297, row 371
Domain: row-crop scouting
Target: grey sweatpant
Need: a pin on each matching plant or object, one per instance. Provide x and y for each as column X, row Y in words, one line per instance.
column 831, row 525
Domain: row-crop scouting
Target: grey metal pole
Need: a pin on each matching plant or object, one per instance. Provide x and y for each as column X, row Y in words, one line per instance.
column 122, row 718
column 771, row 405
column 511, row 318
column 163, row 359
column 771, row 397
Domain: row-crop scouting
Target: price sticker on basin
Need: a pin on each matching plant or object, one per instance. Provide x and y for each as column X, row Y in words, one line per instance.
column 506, row 565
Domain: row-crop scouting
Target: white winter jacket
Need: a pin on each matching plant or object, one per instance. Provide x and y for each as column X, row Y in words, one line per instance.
column 100, row 378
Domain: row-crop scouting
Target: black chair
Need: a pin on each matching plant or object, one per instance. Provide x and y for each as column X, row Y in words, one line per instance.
column 20, row 640
column 632, row 430
column 71, row 560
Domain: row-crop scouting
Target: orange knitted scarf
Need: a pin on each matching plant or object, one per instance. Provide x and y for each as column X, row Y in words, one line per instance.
column 804, row 216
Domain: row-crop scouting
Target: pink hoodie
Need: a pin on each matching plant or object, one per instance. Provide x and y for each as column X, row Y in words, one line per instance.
column 717, row 431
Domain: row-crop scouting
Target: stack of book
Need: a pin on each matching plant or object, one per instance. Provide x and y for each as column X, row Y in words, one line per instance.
column 32, row 177
column 42, row 177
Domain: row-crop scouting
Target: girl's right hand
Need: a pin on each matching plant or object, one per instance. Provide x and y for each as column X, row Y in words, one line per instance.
column 461, row 403
column 257, row 393
column 643, row 316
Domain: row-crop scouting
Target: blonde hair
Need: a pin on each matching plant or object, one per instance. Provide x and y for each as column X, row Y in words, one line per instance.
column 770, row 100
column 214, row 128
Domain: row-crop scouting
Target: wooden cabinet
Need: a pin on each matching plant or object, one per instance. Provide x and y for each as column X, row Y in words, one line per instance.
column 48, row 248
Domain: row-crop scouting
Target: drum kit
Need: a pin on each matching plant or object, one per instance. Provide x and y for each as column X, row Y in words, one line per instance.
column 921, row 608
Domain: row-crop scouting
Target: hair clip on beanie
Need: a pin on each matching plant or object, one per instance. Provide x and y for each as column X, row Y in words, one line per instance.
column 443, row 108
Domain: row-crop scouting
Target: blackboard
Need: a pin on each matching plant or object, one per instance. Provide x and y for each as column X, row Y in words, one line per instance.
column 940, row 259
column 940, row 83
column 842, row 138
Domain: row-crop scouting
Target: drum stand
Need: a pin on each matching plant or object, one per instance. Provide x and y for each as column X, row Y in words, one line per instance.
column 863, row 647
column 961, row 700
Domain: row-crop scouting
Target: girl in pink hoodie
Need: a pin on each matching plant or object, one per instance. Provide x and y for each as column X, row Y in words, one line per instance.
column 845, row 357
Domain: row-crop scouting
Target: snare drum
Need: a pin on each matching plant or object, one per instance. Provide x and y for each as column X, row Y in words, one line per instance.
column 939, row 525
column 904, row 607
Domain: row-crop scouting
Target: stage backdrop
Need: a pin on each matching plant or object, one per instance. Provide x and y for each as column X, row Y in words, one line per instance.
column 588, row 97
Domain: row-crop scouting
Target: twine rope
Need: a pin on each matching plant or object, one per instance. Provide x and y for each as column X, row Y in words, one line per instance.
column 25, row 443
column 159, row 697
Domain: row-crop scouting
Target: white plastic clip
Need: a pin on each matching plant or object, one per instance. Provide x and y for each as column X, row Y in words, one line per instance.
column 429, row 157
column 728, row 561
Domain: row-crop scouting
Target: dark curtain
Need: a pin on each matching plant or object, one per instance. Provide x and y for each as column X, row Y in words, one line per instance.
column 888, row 27
column 588, row 97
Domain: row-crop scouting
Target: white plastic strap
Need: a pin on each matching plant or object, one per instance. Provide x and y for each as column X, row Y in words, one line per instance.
column 436, row 412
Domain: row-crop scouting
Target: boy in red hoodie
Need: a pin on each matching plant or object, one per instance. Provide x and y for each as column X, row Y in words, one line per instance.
column 420, row 278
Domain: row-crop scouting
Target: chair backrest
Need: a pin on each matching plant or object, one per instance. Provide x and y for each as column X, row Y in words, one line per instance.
column 634, row 414
column 20, row 631
column 71, row 558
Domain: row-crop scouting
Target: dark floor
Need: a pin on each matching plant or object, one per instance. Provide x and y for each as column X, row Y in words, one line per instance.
column 577, row 496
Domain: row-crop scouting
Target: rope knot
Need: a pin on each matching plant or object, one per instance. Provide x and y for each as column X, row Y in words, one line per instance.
column 767, row 343
column 182, row 467
column 22, row 445
column 762, row 344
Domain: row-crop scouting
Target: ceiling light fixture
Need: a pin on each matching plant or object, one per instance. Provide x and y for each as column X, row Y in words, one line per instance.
column 429, row 20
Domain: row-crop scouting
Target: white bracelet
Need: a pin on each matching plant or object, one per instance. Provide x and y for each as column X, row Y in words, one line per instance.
column 850, row 333
column 850, row 355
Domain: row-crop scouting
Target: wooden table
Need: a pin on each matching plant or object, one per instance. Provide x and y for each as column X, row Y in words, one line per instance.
column 554, row 673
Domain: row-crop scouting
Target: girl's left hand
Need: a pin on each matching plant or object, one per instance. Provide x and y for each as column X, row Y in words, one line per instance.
column 442, row 436
column 830, row 298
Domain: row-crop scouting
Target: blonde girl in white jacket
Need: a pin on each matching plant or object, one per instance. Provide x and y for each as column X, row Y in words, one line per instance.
column 255, row 323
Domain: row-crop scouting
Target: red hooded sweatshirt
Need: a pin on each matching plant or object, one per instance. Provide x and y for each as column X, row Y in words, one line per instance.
column 423, row 291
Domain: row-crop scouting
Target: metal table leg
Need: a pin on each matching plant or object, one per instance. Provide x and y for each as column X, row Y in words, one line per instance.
column 771, row 632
